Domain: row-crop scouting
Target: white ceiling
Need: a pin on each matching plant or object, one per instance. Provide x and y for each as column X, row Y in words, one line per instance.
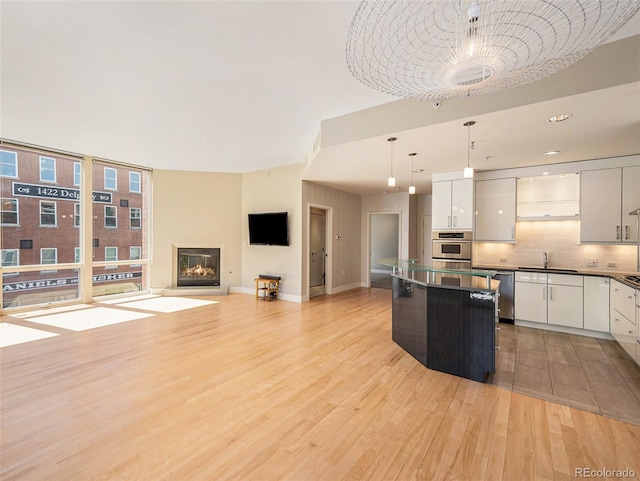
column 241, row 86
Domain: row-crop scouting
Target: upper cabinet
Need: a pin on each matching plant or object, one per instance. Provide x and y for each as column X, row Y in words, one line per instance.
column 495, row 210
column 549, row 197
column 607, row 197
column 452, row 204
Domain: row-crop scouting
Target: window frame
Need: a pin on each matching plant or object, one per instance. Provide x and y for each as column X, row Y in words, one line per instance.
column 77, row 174
column 139, row 248
column 114, row 217
column 55, row 213
column 131, row 218
column 55, row 258
column 115, row 178
column 77, row 215
column 3, row 201
column 3, row 163
column 44, row 158
column 111, row 260
column 139, row 182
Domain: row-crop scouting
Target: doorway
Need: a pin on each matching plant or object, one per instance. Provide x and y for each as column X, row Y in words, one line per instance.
column 317, row 251
column 384, row 241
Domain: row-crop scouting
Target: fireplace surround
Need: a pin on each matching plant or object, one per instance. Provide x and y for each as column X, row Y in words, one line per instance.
column 198, row 266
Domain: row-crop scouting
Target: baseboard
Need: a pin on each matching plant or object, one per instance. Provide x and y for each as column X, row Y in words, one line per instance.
column 565, row 329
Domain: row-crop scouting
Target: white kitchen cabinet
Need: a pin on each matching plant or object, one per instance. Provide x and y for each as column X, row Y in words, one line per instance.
column 606, row 198
column 530, row 296
column 549, row 197
column 495, row 210
column 565, row 300
column 549, row 298
column 452, row 204
column 623, row 318
column 596, row 303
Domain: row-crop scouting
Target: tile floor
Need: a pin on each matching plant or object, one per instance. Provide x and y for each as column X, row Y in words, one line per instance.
column 594, row 375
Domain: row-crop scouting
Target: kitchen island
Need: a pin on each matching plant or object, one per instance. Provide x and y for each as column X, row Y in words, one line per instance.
column 445, row 318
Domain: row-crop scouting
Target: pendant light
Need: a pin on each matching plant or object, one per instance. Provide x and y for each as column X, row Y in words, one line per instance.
column 391, row 181
column 468, row 171
column 412, row 188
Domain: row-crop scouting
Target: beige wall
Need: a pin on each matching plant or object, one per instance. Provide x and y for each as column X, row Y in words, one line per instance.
column 344, row 253
column 273, row 190
column 196, row 209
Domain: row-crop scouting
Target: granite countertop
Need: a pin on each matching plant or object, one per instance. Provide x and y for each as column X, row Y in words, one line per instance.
column 613, row 273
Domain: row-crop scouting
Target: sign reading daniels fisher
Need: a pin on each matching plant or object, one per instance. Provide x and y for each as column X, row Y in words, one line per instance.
column 66, row 281
column 64, row 193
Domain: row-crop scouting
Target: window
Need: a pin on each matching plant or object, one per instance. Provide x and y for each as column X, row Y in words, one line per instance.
column 110, row 255
column 110, row 178
column 8, row 163
column 135, row 253
column 9, row 211
column 49, row 255
column 135, row 216
column 77, row 173
column 76, row 255
column 10, row 257
column 47, row 169
column 134, row 182
column 110, row 216
column 76, row 215
column 47, row 213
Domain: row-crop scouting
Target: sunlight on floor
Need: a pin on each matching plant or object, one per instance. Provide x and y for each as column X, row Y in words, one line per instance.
column 88, row 318
column 166, row 304
column 11, row 334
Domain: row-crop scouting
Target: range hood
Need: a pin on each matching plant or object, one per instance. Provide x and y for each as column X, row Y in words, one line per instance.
column 635, row 212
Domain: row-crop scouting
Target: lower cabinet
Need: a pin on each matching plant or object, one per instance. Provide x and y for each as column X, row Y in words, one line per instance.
column 624, row 325
column 549, row 298
column 596, row 303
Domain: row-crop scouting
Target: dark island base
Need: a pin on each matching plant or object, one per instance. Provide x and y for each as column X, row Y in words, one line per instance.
column 446, row 329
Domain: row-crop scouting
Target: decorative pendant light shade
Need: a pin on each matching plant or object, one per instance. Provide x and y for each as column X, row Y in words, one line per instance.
column 412, row 188
column 446, row 49
column 391, row 181
column 468, row 170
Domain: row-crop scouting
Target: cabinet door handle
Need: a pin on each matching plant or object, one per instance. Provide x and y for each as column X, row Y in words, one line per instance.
column 618, row 232
column 551, row 293
column 455, row 220
column 449, row 221
column 544, row 293
column 626, row 232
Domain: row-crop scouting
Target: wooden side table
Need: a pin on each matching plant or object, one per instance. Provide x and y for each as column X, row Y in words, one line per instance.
column 267, row 289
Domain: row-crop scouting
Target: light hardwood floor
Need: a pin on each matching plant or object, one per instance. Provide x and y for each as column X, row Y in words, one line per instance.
column 253, row 390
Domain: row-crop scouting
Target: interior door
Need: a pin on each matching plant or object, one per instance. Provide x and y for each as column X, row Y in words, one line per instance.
column 384, row 242
column 317, row 249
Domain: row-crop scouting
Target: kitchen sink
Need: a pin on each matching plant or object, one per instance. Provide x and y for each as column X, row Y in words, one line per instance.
column 548, row 269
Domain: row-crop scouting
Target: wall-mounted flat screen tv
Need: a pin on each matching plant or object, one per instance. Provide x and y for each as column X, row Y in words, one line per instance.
column 269, row 229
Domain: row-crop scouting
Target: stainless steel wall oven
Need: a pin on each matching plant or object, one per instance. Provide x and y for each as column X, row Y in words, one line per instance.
column 452, row 250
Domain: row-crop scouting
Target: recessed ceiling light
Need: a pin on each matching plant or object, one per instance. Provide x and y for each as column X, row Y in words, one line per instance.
column 545, row 173
column 552, row 152
column 418, row 171
column 559, row 118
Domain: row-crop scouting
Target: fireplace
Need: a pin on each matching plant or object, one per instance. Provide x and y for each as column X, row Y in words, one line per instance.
column 198, row 267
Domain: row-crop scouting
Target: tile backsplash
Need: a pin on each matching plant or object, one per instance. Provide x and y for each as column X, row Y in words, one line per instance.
column 561, row 241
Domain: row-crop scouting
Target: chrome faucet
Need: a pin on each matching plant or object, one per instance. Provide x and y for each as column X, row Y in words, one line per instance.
column 546, row 260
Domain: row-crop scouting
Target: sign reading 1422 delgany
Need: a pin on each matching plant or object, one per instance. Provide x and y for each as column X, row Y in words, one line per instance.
column 64, row 193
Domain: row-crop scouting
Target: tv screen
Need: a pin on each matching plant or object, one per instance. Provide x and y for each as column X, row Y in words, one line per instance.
column 270, row 229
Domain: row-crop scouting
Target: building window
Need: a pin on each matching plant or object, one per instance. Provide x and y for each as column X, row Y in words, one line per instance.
column 47, row 169
column 110, row 216
column 134, row 182
column 76, row 215
column 8, row 163
column 9, row 211
column 77, row 173
column 76, row 255
column 49, row 255
column 110, row 255
column 110, row 178
column 135, row 253
column 48, row 213
column 136, row 217
column 10, row 257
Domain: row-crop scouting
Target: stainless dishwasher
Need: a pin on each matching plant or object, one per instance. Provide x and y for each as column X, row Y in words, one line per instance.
column 506, row 302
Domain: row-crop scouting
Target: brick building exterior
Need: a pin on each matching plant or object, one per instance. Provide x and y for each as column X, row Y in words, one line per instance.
column 40, row 219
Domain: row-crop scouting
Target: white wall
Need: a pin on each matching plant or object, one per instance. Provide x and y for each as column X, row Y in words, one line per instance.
column 273, row 190
column 198, row 209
